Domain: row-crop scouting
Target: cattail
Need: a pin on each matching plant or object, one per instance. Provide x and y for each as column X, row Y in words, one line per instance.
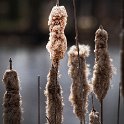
column 54, row 98
column 12, row 99
column 94, row 117
column 103, row 68
column 57, row 44
column 79, row 88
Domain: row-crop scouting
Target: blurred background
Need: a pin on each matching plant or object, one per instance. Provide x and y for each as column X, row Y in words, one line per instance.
column 24, row 34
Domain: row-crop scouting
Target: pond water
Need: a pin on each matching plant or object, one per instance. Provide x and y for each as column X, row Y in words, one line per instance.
column 31, row 61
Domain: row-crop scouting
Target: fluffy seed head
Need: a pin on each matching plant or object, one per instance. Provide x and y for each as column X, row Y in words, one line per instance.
column 57, row 44
column 94, row 118
column 103, row 68
column 54, row 103
column 79, row 88
column 10, row 80
column 12, row 100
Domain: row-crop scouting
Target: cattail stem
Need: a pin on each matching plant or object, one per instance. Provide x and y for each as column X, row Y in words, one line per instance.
column 38, row 99
column 118, row 114
column 84, row 120
column 122, row 49
column 101, row 111
column 76, row 31
column 10, row 61
column 92, row 102
column 57, row 2
column 81, row 122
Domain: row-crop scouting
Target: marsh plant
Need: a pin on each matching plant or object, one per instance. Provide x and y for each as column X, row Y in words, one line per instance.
column 56, row 46
column 12, row 112
column 78, row 70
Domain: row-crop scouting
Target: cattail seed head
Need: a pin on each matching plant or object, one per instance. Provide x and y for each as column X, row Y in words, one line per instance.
column 54, row 101
column 12, row 99
column 94, row 118
column 79, row 96
column 103, row 68
column 57, row 44
column 10, row 80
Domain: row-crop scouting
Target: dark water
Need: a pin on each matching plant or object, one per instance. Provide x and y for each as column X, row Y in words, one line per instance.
column 33, row 61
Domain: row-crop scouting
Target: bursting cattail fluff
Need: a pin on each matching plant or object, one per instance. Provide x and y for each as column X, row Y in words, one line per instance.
column 12, row 99
column 79, row 88
column 57, row 44
column 94, row 117
column 54, row 101
column 103, row 68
